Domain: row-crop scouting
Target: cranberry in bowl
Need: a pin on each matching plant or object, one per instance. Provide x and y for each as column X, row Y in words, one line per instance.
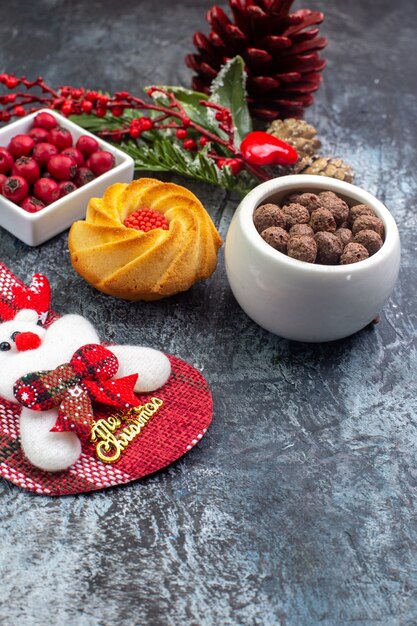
column 41, row 150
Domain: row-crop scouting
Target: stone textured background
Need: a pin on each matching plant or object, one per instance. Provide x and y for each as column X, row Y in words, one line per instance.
column 298, row 508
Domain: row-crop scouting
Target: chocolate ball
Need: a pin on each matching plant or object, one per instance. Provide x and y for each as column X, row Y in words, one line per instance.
column 302, row 248
column 358, row 210
column 301, row 229
column 329, row 248
column 368, row 222
column 309, row 200
column 344, row 235
column 268, row 215
column 322, row 220
column 295, row 214
column 353, row 253
column 370, row 240
column 276, row 237
column 338, row 207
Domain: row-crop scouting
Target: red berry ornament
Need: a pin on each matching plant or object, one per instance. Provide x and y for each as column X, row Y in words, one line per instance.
column 83, row 176
column 15, row 189
column 86, row 145
column 61, row 138
column 6, row 161
column 42, row 152
column 75, row 154
column 32, row 204
column 259, row 148
column 100, row 162
column 39, row 134
column 146, row 220
column 21, row 145
column 62, row 167
column 45, row 120
column 47, row 190
column 66, row 187
column 28, row 168
column 181, row 133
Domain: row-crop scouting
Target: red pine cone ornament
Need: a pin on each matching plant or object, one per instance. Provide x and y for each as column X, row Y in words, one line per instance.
column 280, row 50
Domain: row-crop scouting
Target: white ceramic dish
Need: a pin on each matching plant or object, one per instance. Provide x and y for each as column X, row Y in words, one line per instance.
column 35, row 228
column 304, row 301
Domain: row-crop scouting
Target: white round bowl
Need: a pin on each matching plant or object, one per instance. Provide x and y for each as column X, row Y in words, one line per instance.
column 305, row 301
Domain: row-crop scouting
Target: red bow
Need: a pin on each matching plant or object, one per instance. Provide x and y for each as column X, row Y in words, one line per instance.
column 74, row 385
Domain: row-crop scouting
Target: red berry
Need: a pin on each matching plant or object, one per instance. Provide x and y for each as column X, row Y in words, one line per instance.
column 19, row 111
column 39, row 134
column 21, row 145
column 47, row 190
column 61, row 138
column 135, row 132
column 181, row 133
column 203, row 141
column 145, row 123
column 42, row 152
column 45, row 120
column 15, row 189
column 185, row 121
column 77, row 93
column 101, row 162
column 32, row 204
column 146, row 220
column 86, row 145
column 66, row 108
column 75, row 155
column 92, row 95
column 235, row 165
column 87, row 106
column 28, row 168
column 103, row 99
column 62, row 167
column 11, row 82
column 220, row 116
column 190, row 144
column 83, row 176
column 66, row 187
column 6, row 161
column 3, row 179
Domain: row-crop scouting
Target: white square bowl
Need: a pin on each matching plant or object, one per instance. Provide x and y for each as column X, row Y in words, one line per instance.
column 35, row 228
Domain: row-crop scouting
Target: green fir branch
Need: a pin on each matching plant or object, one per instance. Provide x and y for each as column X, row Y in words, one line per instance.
column 162, row 155
column 157, row 151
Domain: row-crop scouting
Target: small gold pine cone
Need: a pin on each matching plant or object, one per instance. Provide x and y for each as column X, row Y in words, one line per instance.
column 327, row 166
column 299, row 134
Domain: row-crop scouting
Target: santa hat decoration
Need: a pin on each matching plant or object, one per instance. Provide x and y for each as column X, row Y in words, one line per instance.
column 17, row 296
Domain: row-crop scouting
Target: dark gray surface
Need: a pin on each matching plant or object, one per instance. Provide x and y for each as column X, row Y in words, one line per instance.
column 298, row 508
